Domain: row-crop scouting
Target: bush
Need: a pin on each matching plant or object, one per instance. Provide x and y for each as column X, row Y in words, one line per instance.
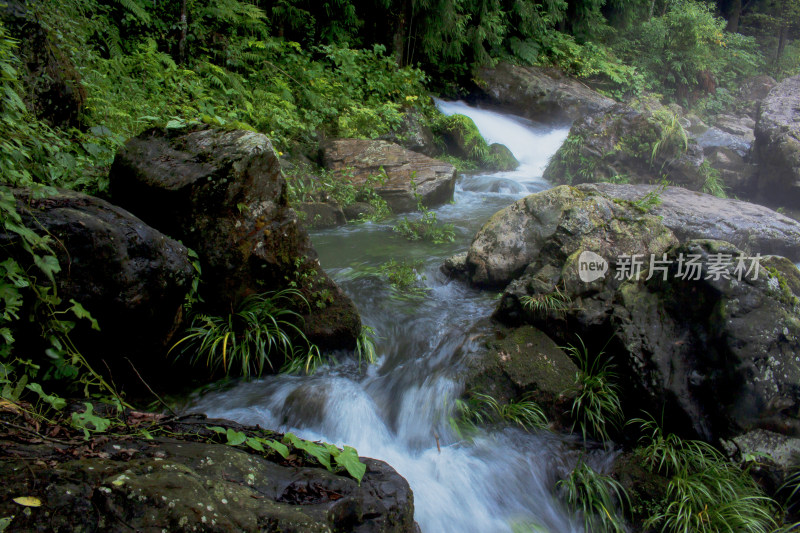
column 596, row 497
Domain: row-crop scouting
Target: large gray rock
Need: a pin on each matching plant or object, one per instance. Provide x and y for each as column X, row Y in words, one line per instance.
column 132, row 278
column 390, row 169
column 222, row 193
column 777, row 145
column 695, row 215
column 537, row 93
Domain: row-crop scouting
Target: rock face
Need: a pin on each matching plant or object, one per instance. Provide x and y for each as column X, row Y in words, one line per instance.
column 777, row 146
column 695, row 215
column 719, row 353
column 361, row 160
column 525, row 362
column 134, row 484
column 223, row 195
column 537, row 93
column 130, row 277
column 414, row 134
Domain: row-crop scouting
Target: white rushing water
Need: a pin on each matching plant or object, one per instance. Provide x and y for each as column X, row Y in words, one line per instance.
column 398, row 410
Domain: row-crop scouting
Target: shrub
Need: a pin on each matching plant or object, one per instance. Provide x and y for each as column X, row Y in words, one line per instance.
column 246, row 341
column 483, row 409
column 596, row 497
column 596, row 408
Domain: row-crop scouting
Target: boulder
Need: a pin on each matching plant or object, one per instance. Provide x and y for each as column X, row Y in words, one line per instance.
column 320, row 214
column 752, row 91
column 695, row 215
column 501, row 158
column 414, row 134
column 548, row 227
column 132, row 278
column 777, row 144
column 718, row 354
column 397, row 174
column 542, row 94
column 194, row 484
column 222, row 193
column 621, row 144
column 526, row 362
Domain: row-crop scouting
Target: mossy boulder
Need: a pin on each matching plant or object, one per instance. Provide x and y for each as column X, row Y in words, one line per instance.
column 222, row 193
column 524, row 362
column 543, row 94
column 545, row 229
column 193, row 484
column 625, row 145
column 320, row 215
column 501, row 158
column 398, row 175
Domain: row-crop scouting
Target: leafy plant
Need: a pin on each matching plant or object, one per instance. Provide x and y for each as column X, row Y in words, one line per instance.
column 672, row 140
column 596, row 497
column 245, row 342
column 596, row 409
column 651, row 200
column 712, row 183
column 365, row 346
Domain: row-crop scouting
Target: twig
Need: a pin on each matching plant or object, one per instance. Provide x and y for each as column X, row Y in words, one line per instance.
column 165, row 404
column 439, row 448
column 39, row 435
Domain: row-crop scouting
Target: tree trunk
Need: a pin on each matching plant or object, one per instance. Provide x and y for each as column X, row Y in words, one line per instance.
column 399, row 37
column 184, row 29
column 734, row 12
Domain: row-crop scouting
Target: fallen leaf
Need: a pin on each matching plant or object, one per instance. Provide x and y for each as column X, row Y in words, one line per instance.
column 28, row 501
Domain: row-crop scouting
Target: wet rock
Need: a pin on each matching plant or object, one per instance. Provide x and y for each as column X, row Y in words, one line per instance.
column 777, row 144
column 501, row 158
column 358, row 210
column 549, row 227
column 222, row 193
column 180, row 485
column 694, row 215
column 414, row 134
column 646, row 490
column 525, row 362
column 724, row 350
column 537, row 93
column 321, row 214
column 623, row 145
column 391, row 168
column 455, row 266
column 132, row 278
column 752, row 91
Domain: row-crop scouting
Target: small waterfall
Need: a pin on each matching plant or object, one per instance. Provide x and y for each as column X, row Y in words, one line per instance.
column 398, row 410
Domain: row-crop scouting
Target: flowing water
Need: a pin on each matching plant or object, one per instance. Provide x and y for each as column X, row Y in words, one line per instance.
column 397, row 409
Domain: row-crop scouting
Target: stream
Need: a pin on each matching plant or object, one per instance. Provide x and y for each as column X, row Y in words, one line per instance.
column 396, row 409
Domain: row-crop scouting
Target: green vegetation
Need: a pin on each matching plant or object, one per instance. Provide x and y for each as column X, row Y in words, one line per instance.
column 555, row 303
column 246, row 341
column 482, row 409
column 705, row 492
column 426, row 227
column 404, row 277
column 596, row 497
column 596, row 409
column 365, row 346
column 712, row 183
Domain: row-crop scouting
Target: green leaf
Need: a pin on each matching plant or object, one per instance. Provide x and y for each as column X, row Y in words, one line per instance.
column 254, row 443
column 235, row 438
column 88, row 421
column 217, row 429
column 317, row 451
column 80, row 312
column 47, row 264
column 280, row 448
column 55, row 402
column 5, row 522
column 348, row 458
